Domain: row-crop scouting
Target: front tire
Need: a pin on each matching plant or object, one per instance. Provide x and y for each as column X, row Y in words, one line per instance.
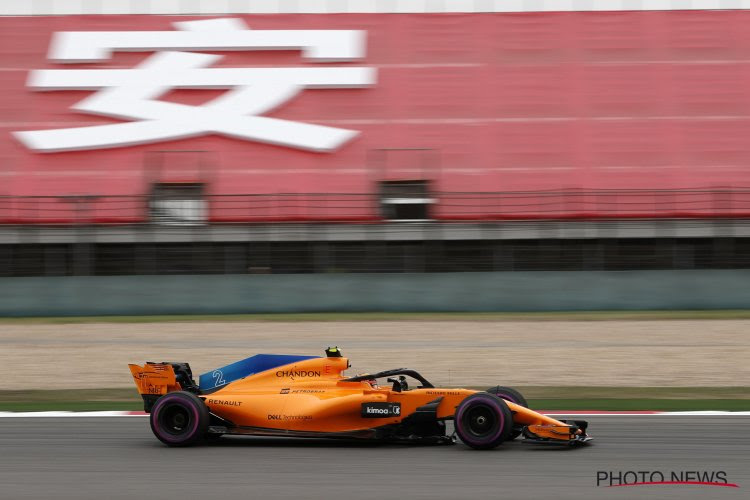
column 509, row 394
column 179, row 419
column 483, row 421
column 512, row 395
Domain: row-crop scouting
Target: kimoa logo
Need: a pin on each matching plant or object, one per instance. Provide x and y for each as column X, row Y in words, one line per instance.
column 384, row 411
column 133, row 94
column 388, row 409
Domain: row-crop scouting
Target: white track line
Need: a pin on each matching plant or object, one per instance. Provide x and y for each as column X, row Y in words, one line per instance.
column 88, row 414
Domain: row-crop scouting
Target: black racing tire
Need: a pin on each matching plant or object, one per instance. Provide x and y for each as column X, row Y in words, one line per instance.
column 179, row 419
column 483, row 421
column 512, row 395
column 508, row 394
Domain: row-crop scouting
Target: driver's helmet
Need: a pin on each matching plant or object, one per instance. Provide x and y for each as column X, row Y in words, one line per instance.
column 373, row 383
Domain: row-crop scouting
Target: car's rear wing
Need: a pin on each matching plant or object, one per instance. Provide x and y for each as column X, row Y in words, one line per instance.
column 156, row 379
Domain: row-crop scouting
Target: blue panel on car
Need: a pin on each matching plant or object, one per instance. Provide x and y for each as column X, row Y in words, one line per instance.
column 241, row 369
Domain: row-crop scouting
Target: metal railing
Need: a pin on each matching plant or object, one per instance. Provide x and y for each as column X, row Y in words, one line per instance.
column 718, row 202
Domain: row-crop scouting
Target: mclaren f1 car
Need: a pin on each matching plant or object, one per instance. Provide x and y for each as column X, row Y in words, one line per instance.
column 309, row 396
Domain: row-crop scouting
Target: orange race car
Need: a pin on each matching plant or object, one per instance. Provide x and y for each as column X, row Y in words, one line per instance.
column 308, row 396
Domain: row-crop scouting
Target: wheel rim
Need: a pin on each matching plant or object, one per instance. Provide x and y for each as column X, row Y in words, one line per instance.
column 175, row 419
column 480, row 421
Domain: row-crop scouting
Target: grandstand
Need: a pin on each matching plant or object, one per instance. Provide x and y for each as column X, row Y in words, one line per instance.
column 486, row 141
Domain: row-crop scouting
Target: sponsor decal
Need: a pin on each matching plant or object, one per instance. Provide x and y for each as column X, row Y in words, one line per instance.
column 609, row 479
column 150, row 375
column 133, row 94
column 218, row 377
column 224, row 403
column 286, row 390
column 289, row 417
column 443, row 393
column 297, row 373
column 381, row 410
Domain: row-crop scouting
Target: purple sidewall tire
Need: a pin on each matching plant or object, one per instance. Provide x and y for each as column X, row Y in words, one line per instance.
column 509, row 394
column 513, row 396
column 506, row 397
column 500, row 431
column 190, row 405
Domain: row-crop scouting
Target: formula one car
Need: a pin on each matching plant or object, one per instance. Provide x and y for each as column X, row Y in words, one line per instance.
column 308, row 396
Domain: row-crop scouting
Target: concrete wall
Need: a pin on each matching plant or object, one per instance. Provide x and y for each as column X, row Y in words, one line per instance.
column 502, row 291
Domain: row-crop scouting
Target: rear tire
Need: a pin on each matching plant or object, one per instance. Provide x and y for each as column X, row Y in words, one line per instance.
column 179, row 419
column 512, row 395
column 483, row 421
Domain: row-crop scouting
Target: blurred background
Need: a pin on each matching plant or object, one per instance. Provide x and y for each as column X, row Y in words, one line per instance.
column 526, row 160
column 517, row 180
column 552, row 195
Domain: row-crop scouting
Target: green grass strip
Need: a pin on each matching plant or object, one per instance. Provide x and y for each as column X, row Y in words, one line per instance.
column 633, row 393
column 542, row 404
column 642, row 404
column 546, row 398
column 125, row 394
column 118, row 394
column 71, row 406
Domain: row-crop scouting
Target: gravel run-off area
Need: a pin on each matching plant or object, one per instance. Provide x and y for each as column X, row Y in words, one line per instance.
column 676, row 353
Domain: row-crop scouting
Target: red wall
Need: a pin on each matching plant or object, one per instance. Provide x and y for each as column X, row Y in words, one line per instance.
column 508, row 102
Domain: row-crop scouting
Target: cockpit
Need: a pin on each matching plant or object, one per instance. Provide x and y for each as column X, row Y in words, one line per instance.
column 399, row 384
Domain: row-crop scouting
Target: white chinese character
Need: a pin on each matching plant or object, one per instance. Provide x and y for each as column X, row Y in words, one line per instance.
column 132, row 94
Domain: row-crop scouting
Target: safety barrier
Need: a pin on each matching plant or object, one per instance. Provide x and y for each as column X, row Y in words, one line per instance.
column 368, row 207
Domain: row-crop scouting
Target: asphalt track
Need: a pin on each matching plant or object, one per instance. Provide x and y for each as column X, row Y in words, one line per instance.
column 118, row 457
